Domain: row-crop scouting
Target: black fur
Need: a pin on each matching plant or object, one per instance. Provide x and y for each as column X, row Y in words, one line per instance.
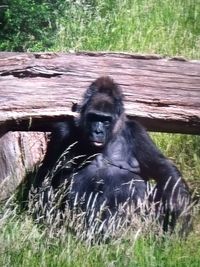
column 122, row 158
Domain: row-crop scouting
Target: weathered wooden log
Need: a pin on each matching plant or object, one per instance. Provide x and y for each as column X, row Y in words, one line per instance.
column 19, row 153
column 163, row 94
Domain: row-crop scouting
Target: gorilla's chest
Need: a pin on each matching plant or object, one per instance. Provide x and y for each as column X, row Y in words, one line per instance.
column 111, row 175
column 116, row 161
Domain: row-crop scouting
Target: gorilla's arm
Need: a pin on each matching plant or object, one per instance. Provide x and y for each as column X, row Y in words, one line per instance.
column 153, row 164
column 62, row 135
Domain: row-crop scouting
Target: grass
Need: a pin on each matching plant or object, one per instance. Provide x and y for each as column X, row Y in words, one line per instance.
column 171, row 28
column 184, row 151
column 24, row 243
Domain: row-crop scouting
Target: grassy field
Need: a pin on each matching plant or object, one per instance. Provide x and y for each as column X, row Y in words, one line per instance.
column 24, row 243
column 150, row 26
column 170, row 27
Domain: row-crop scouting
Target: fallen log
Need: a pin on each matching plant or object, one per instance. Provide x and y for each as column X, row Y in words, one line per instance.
column 37, row 88
column 163, row 94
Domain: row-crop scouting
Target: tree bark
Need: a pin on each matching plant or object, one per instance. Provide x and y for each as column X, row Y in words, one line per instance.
column 163, row 94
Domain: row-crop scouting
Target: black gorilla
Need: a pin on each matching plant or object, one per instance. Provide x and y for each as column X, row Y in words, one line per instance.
column 113, row 158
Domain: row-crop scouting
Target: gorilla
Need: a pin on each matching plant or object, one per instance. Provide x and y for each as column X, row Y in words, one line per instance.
column 105, row 160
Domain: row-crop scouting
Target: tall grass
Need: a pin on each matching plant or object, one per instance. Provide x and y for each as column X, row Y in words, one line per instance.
column 184, row 150
column 24, row 243
column 169, row 27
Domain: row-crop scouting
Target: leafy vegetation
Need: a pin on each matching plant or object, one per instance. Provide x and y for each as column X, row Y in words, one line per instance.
column 171, row 28
column 165, row 27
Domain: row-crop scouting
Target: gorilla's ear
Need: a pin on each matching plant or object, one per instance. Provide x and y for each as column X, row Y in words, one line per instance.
column 119, row 108
column 75, row 107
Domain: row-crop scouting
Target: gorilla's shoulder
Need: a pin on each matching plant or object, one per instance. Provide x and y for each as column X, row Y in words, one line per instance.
column 135, row 127
column 64, row 129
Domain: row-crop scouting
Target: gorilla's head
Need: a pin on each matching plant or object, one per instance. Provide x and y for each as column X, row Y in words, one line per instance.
column 101, row 108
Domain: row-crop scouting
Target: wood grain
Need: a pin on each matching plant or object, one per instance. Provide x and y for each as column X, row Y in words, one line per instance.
column 163, row 94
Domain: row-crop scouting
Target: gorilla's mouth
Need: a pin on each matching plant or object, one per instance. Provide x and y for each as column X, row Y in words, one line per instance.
column 97, row 144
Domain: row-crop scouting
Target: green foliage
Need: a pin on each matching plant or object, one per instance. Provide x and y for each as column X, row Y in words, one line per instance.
column 169, row 27
column 166, row 27
column 28, row 24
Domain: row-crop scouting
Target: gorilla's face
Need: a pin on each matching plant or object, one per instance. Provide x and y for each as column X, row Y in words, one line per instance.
column 98, row 120
column 98, row 128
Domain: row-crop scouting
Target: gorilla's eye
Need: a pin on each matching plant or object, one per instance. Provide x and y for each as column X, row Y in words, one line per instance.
column 106, row 119
column 92, row 117
column 107, row 123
